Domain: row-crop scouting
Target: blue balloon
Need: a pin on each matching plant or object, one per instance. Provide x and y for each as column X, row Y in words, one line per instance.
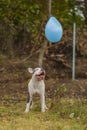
column 53, row 30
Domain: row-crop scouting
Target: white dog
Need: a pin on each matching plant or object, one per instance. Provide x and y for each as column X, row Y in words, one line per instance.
column 36, row 85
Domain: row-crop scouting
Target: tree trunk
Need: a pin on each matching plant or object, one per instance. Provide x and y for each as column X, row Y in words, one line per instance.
column 10, row 42
column 44, row 45
column 41, row 55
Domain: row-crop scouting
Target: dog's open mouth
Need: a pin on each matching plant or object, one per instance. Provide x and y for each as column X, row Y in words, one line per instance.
column 41, row 76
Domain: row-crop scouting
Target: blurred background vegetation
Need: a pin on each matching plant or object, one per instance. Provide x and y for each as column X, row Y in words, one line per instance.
column 22, row 22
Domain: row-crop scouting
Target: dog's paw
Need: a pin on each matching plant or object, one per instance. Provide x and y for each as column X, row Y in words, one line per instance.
column 46, row 107
column 26, row 111
column 43, row 111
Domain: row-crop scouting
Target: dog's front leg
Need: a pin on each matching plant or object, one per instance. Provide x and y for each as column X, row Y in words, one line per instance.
column 43, row 103
column 29, row 102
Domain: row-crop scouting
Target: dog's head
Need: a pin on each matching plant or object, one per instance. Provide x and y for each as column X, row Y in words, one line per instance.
column 38, row 73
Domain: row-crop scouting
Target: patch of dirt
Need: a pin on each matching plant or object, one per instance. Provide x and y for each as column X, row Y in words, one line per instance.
column 67, row 88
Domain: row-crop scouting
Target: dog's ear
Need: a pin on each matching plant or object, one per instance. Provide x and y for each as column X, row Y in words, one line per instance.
column 30, row 70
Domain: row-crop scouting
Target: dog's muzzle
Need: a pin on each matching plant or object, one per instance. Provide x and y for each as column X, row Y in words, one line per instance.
column 41, row 76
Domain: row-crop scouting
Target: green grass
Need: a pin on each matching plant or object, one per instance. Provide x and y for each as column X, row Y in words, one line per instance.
column 67, row 114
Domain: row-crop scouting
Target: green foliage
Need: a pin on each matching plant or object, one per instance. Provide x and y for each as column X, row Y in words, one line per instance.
column 20, row 20
column 18, row 17
column 65, row 11
column 19, row 13
column 60, row 91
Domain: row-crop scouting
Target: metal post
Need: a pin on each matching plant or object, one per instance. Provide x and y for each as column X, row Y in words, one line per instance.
column 74, row 48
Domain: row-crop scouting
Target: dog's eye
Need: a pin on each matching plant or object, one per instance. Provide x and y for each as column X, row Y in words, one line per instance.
column 42, row 69
column 34, row 70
